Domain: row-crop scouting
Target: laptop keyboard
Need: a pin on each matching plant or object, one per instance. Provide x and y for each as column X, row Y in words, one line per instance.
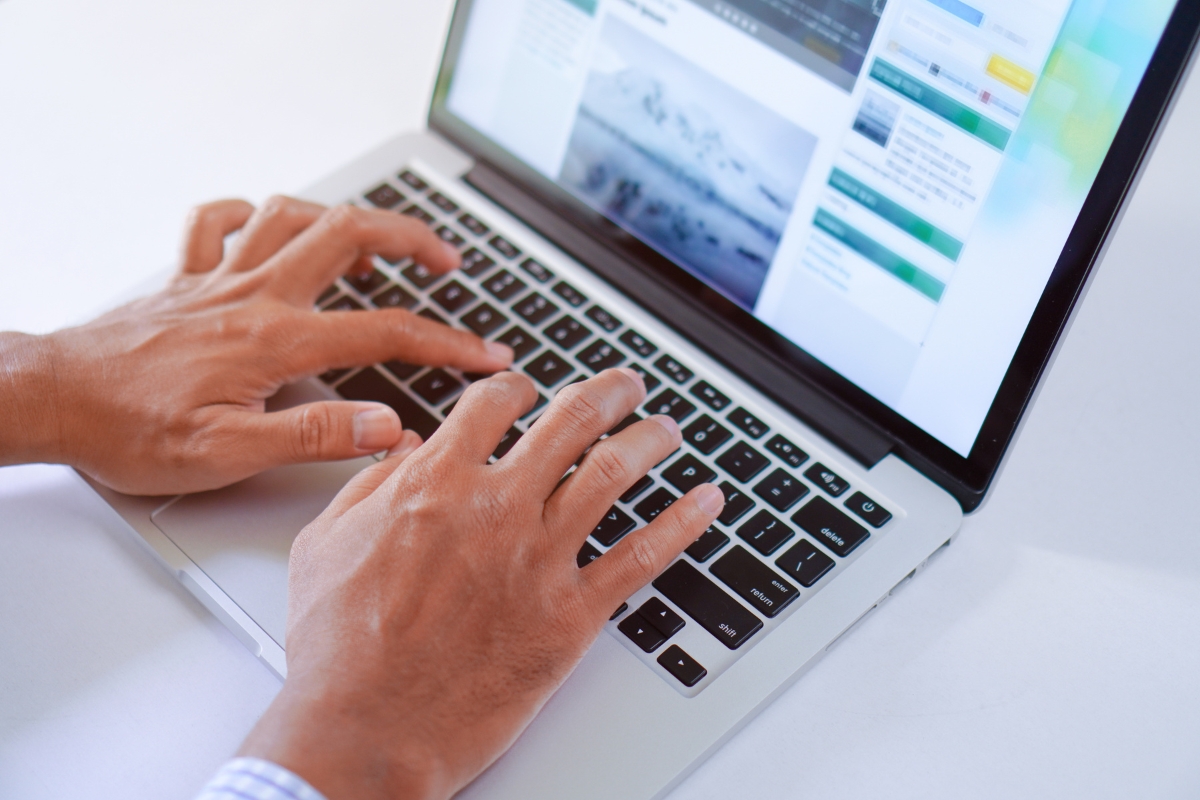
column 791, row 521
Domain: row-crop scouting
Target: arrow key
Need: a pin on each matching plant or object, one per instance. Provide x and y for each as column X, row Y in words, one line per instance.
column 685, row 668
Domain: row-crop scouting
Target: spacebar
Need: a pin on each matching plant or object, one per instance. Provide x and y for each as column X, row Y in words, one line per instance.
column 705, row 602
column 371, row 386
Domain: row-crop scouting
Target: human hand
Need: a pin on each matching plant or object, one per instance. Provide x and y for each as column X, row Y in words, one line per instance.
column 437, row 604
column 167, row 394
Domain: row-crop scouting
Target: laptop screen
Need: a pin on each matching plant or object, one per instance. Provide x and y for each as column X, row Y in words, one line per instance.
column 886, row 183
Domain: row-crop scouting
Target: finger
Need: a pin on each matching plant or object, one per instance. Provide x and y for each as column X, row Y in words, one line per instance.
column 643, row 555
column 274, row 224
column 343, row 235
column 607, row 472
column 485, row 413
column 207, row 227
column 364, row 484
column 579, row 415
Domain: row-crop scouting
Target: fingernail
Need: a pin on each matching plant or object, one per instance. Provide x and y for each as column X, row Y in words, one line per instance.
column 501, row 352
column 375, row 429
column 669, row 423
column 710, row 499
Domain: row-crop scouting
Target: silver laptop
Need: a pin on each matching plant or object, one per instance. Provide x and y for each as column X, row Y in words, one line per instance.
column 840, row 240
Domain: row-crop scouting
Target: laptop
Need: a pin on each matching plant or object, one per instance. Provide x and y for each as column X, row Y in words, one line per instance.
column 840, row 240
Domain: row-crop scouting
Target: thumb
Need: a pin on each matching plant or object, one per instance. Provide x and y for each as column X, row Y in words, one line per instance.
column 328, row 431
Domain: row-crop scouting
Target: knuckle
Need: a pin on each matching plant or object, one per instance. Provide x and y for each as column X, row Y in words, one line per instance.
column 275, row 207
column 314, row 432
column 583, row 406
column 612, row 464
column 345, row 220
column 643, row 558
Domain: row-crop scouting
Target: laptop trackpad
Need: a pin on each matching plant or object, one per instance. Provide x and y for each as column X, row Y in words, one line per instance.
column 241, row 535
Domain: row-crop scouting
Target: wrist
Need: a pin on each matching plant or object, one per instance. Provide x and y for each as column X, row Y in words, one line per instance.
column 30, row 395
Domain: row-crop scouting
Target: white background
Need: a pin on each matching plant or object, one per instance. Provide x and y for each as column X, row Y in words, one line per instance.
column 1053, row 651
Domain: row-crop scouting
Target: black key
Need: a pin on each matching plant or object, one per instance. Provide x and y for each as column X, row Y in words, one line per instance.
column 707, row 603
column 535, row 309
column 420, row 276
column 484, row 320
column 453, row 297
column 752, row 425
column 706, row 435
column 450, row 237
column 437, row 386
column 476, row 262
column 793, row 456
column 416, row 212
column 368, row 283
column 830, row 527
column 432, row 316
column 394, row 297
column 638, row 344
column 520, row 341
column 549, row 368
column 827, row 479
column 781, row 490
column 413, row 180
column 449, row 409
column 708, row 545
column 604, row 319
column 754, row 582
column 372, row 386
column 472, row 377
column 538, row 405
column 641, row 632
column 683, row 667
column 402, row 370
column 507, row 443
column 344, row 304
column 624, row 607
column 639, row 488
column 504, row 247
column 805, row 563
column 688, row 473
column 588, row 554
column 613, row 527
column 600, row 355
column 651, row 382
column 657, row 613
column 632, row 419
column 765, row 533
column 737, row 504
column 743, row 462
column 334, row 375
column 671, row 404
column 869, row 510
column 658, row 501
column 569, row 293
column 537, row 270
column 444, row 203
column 384, row 196
column 568, row 332
column 504, row 285
column 328, row 294
column 710, row 396
column 676, row 371
column 472, row 223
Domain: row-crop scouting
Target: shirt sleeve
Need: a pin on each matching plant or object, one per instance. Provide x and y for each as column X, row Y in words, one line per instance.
column 255, row 779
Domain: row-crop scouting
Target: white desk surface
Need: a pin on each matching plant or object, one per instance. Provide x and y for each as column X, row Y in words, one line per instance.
column 1053, row 651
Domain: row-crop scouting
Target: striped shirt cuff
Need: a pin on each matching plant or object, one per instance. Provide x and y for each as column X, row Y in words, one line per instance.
column 255, row 779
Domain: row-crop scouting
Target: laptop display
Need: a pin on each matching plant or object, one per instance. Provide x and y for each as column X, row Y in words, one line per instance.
column 888, row 184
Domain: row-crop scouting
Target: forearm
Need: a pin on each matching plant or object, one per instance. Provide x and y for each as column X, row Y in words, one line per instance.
column 30, row 430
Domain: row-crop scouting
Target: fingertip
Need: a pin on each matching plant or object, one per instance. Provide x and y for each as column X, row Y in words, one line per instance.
column 636, row 377
column 453, row 256
column 671, row 426
column 409, row 442
column 501, row 354
column 710, row 499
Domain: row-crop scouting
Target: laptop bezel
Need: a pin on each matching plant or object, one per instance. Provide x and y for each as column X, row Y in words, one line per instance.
column 788, row 374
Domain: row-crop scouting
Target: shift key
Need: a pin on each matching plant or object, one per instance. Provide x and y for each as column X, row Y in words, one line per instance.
column 708, row 604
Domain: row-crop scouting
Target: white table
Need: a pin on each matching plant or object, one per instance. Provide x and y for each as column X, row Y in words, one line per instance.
column 1053, row 651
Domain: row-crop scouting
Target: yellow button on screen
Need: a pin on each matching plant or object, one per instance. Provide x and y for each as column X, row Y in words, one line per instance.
column 1007, row 72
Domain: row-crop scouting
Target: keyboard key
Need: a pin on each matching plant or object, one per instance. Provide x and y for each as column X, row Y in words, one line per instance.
column 402, row 370
column 754, row 582
column 413, row 180
column 604, row 319
column 567, row 333
column 632, row 419
column 444, row 203
column 521, row 341
column 370, row 385
column 344, row 304
column 830, row 527
column 418, row 213
column 432, row 316
column 657, row 613
column 827, row 479
column 587, row 554
column 420, row 276
column 600, row 355
column 641, row 632
column 743, row 462
column 706, row 435
column 549, row 368
column 476, row 262
column 624, row 607
column 437, row 386
column 752, row 425
column 537, row 270
column 688, row 473
column 708, row 604
column 708, row 545
column 568, row 292
column 384, row 196
column 637, row 490
column 793, row 456
column 638, row 344
column 472, row 223
column 781, row 490
column 676, row 371
column 737, row 504
column 508, row 442
column 453, row 297
column 658, row 501
column 651, row 382
column 394, row 297
column 369, row 283
column 535, row 309
column 671, row 404
column 613, row 527
column 683, row 667
column 805, row 563
column 504, row 247
column 868, row 509
column 450, row 237
column 710, row 396
column 765, row 533
column 484, row 320
column 504, row 285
